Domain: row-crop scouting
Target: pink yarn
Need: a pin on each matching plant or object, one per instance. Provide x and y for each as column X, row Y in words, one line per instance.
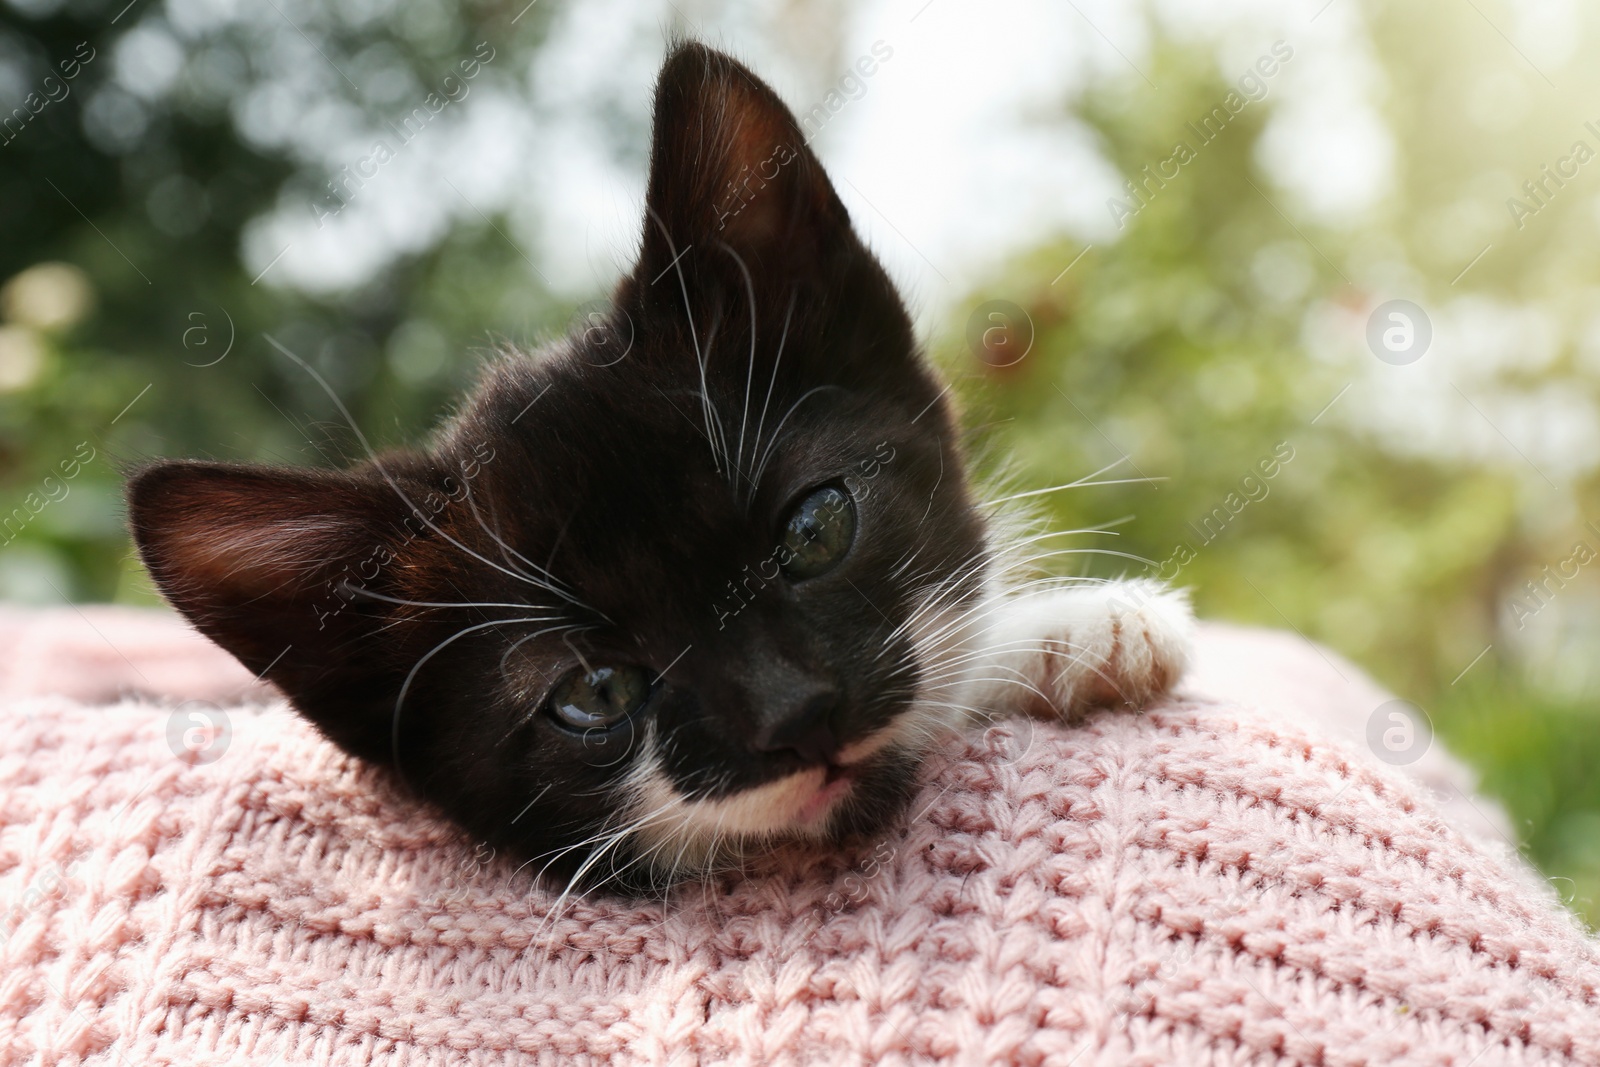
column 1215, row 882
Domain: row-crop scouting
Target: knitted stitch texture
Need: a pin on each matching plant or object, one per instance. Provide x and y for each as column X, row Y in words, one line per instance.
column 1214, row 882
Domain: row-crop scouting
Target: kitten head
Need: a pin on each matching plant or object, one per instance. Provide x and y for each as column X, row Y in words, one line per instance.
column 630, row 613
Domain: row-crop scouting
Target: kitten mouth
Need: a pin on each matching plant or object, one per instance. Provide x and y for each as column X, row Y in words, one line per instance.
column 836, row 782
column 839, row 778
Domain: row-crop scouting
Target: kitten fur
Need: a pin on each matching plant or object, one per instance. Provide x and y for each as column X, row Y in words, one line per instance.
column 615, row 500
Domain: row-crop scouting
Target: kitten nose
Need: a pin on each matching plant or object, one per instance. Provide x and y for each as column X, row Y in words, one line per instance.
column 807, row 730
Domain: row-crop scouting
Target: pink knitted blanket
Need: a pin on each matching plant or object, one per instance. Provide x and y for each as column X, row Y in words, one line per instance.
column 1229, row 879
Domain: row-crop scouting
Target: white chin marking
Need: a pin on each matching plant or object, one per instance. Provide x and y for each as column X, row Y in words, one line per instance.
column 678, row 832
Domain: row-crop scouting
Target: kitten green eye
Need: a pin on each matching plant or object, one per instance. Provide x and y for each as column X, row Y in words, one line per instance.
column 819, row 532
column 598, row 700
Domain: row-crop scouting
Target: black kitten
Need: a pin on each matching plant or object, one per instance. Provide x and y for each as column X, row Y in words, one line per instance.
column 631, row 613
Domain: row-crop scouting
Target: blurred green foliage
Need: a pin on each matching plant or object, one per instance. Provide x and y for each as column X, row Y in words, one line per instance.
column 1220, row 327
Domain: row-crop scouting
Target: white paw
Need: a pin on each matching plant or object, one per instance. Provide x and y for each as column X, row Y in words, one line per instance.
column 1117, row 644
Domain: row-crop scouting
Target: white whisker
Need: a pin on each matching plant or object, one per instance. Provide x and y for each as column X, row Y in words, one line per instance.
column 372, row 457
column 394, row 731
column 777, row 361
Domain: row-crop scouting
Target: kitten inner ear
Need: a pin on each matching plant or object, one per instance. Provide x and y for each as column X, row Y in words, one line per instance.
column 729, row 165
column 254, row 556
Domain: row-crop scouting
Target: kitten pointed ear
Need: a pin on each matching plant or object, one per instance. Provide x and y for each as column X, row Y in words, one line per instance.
column 261, row 560
column 729, row 164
